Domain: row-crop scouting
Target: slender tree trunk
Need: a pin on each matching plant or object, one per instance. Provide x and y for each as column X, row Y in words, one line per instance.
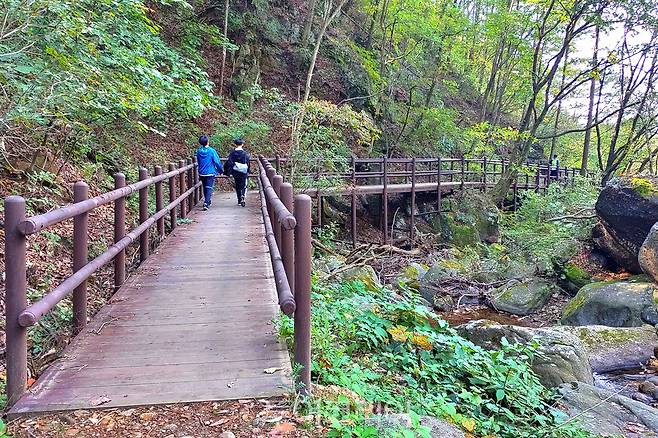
column 559, row 106
column 221, row 72
column 309, row 21
column 590, row 109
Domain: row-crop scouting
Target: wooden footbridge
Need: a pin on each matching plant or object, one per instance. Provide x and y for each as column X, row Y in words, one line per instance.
column 195, row 321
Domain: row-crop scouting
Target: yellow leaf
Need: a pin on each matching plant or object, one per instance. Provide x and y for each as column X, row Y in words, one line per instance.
column 421, row 341
column 399, row 333
column 468, row 424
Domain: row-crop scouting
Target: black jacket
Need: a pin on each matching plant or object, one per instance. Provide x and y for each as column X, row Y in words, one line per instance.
column 236, row 156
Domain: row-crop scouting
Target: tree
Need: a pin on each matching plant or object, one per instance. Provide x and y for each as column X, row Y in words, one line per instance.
column 222, row 70
column 590, row 107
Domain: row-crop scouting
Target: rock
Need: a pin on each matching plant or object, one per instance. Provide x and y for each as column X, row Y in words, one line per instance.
column 328, row 264
column 365, row 274
column 353, row 401
column 627, row 209
column 390, row 423
column 648, row 255
column 573, row 278
column 476, row 220
column 522, row 298
column 562, row 356
column 411, row 276
column 628, row 303
column 517, row 270
column 604, row 413
column 227, row 434
column 430, row 285
column 647, row 388
column 615, row 348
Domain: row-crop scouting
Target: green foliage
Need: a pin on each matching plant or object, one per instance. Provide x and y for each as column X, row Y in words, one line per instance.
column 401, row 355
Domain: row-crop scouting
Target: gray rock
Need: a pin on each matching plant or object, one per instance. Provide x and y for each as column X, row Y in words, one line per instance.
column 326, row 265
column 615, row 348
column 648, row 255
column 522, row 298
column 430, row 285
column 365, row 274
column 411, row 276
column 389, row 424
column 627, row 209
column 604, row 413
column 562, row 356
column 614, row 304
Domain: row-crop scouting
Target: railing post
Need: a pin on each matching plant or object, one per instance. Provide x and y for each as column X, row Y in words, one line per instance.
column 195, row 180
column 276, row 226
column 172, row 196
column 143, row 216
column 438, row 190
column 278, row 164
column 538, row 177
column 385, row 199
column 463, row 162
column 119, row 232
column 288, row 237
column 80, row 257
column 15, row 298
column 303, row 291
column 412, row 228
column 182, row 189
column 159, row 202
column 190, row 184
column 484, row 174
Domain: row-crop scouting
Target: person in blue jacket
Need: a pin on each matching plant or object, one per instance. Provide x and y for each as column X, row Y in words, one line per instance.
column 209, row 167
column 237, row 164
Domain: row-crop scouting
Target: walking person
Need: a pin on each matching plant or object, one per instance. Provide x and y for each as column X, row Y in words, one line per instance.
column 237, row 165
column 210, row 166
column 554, row 167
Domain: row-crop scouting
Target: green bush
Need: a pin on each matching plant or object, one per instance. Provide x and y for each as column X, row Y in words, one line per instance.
column 402, row 356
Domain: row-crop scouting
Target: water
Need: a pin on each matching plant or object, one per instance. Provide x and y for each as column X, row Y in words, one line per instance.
column 626, row 382
column 466, row 314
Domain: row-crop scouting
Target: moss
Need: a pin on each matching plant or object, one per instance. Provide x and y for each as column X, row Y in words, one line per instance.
column 644, row 187
column 608, row 337
column 579, row 277
column 576, row 303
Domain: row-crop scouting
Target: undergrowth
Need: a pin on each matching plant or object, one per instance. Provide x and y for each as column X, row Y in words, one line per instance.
column 399, row 355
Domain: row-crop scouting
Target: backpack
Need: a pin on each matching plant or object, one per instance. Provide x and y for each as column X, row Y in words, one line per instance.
column 240, row 167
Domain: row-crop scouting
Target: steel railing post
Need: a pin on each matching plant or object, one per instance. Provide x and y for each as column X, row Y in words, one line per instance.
column 80, row 257
column 15, row 298
column 172, row 197
column 303, row 291
column 190, row 184
column 288, row 237
column 182, row 189
column 195, row 180
column 143, row 216
column 119, row 232
column 277, row 180
column 412, row 228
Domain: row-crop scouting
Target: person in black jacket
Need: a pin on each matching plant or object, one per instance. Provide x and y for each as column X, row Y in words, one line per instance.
column 237, row 165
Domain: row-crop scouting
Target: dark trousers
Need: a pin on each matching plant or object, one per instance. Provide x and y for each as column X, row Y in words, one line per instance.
column 208, row 183
column 240, row 184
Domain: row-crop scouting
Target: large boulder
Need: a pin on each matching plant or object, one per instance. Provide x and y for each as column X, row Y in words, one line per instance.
column 522, row 298
column 475, row 220
column 430, row 286
column 627, row 209
column 394, row 424
column 573, row 277
column 629, row 303
column 562, row 356
column 365, row 274
column 648, row 256
column 411, row 276
column 607, row 414
column 615, row 348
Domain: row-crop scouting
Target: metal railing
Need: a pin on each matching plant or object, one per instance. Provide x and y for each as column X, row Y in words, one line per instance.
column 184, row 193
column 288, row 233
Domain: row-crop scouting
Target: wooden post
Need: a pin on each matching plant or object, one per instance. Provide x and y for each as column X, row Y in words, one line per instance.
column 195, row 180
column 463, row 162
column 438, row 190
column 15, row 298
column 143, row 217
column 119, row 232
column 276, row 226
column 452, row 170
column 303, row 291
column 412, row 228
column 538, row 177
column 385, row 200
column 80, row 257
column 172, row 197
column 190, row 184
column 288, row 237
column 278, row 164
column 516, row 190
column 354, row 238
column 182, row 189
column 159, row 202
column 484, row 174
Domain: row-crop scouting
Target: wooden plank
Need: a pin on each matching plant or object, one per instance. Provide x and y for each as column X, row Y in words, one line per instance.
column 194, row 323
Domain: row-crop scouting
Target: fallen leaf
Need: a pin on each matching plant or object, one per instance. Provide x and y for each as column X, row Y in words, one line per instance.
column 147, row 416
column 72, row 432
column 271, row 370
column 128, row 413
column 283, row 428
column 30, row 382
column 100, row 400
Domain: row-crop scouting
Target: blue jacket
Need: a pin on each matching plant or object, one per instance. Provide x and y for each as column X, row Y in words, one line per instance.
column 209, row 162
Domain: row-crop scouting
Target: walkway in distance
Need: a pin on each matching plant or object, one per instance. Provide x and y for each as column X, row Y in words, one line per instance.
column 193, row 324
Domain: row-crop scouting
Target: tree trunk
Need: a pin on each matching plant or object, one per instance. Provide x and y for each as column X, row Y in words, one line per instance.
column 590, row 109
column 309, row 22
column 221, row 72
column 559, row 107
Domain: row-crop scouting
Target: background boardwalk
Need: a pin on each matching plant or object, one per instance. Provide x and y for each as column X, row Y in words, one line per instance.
column 194, row 323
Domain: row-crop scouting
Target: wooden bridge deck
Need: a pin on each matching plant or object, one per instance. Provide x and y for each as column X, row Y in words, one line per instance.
column 193, row 324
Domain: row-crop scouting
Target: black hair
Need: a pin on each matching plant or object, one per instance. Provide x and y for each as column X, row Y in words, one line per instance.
column 203, row 140
column 238, row 141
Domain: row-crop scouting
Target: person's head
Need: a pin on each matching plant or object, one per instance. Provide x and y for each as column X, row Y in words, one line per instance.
column 555, row 156
column 238, row 142
column 203, row 140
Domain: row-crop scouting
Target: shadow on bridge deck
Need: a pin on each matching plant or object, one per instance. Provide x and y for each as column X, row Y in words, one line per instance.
column 194, row 323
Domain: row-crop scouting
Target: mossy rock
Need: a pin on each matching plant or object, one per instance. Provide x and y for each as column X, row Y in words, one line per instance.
column 411, row 276
column 573, row 277
column 364, row 274
column 522, row 298
column 429, row 285
column 613, row 304
column 645, row 187
column 475, row 220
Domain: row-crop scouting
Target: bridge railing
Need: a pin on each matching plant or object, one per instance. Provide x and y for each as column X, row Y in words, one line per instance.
column 288, row 232
column 184, row 191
